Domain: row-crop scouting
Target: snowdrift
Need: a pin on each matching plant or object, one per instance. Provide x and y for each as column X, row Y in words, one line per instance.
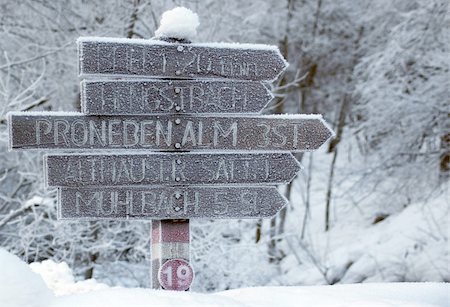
column 21, row 287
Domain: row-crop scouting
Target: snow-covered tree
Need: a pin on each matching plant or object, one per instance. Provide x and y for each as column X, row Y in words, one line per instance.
column 402, row 93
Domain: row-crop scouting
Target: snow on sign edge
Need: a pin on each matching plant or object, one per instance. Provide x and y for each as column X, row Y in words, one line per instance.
column 152, row 41
column 141, row 41
column 76, row 113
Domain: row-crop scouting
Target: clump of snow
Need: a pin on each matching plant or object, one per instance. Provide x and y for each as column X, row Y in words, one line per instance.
column 180, row 23
column 38, row 200
column 59, row 278
column 20, row 286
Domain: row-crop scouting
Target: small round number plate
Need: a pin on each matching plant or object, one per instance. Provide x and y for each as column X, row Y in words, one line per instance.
column 176, row 274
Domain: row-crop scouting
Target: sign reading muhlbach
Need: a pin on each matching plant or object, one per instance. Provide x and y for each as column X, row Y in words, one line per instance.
column 197, row 105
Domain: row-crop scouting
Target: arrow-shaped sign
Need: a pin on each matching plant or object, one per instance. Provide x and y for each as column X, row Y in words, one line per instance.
column 170, row 169
column 139, row 57
column 172, row 96
column 168, row 202
column 53, row 130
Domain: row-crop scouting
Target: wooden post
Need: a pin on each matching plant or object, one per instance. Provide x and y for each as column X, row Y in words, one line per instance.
column 170, row 240
column 227, row 79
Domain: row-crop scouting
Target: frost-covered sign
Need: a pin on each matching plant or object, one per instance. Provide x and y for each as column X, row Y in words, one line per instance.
column 53, row 130
column 168, row 202
column 119, row 57
column 152, row 96
column 195, row 105
column 77, row 170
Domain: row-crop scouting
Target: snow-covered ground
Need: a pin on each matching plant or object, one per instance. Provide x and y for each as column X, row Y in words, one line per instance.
column 409, row 245
column 49, row 284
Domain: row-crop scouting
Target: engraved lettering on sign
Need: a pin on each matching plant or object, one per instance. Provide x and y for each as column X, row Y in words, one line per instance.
column 249, row 205
column 154, row 58
column 221, row 170
column 94, row 132
column 220, row 206
column 189, row 134
column 186, row 96
column 130, row 133
column 277, row 131
column 147, row 204
column 220, row 132
column 97, row 170
column 61, row 130
column 169, row 133
column 39, row 124
column 96, row 198
column 169, row 202
column 119, row 201
column 265, row 135
column 123, row 169
column 113, row 132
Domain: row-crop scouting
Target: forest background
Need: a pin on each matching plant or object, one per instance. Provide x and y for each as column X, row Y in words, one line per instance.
column 371, row 205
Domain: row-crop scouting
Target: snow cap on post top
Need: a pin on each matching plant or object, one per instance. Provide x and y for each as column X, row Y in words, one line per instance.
column 179, row 23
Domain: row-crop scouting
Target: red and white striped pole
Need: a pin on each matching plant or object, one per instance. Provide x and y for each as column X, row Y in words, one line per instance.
column 171, row 269
column 170, row 255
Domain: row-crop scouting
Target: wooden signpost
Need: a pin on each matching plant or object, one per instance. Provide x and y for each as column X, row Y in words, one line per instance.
column 173, row 202
column 113, row 97
column 193, row 104
column 39, row 130
column 76, row 170
column 109, row 56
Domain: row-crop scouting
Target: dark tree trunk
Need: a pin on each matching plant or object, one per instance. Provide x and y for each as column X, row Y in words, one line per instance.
column 92, row 257
column 131, row 32
column 444, row 166
column 258, row 231
column 332, row 148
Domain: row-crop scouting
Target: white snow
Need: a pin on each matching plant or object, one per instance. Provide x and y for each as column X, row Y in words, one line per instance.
column 382, row 295
column 407, row 246
column 140, row 41
column 262, row 116
column 180, row 23
column 59, row 278
column 42, row 113
column 19, row 286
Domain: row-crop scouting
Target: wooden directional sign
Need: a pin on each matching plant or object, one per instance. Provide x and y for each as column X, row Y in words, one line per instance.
column 172, row 96
column 173, row 169
column 140, row 96
column 165, row 202
column 140, row 57
column 52, row 130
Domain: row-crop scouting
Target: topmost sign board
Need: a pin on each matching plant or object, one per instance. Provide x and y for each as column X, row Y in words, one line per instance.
column 138, row 57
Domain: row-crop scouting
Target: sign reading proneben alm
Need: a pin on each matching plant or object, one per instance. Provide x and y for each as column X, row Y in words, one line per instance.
column 53, row 130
